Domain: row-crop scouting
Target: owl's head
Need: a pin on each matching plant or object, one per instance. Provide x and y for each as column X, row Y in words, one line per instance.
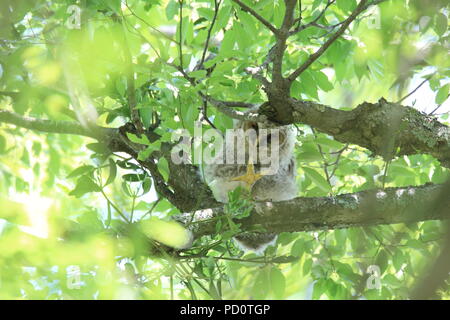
column 269, row 137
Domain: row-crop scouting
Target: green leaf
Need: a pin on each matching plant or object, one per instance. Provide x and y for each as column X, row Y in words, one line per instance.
column 213, row 291
column 114, row 5
column 144, row 154
column 190, row 114
column 171, row 9
column 2, row 144
column 222, row 17
column 248, row 24
column 328, row 142
column 346, row 5
column 277, row 282
column 442, row 94
column 319, row 289
column 89, row 220
column 298, row 248
column 163, row 168
column 317, row 179
column 322, row 81
column 84, row 185
column 262, row 285
column 308, row 85
column 242, row 38
column 132, row 177
column 206, row 12
column 227, row 43
column 112, row 172
column 80, row 171
column 309, row 156
column 12, row 211
column 37, row 148
column 146, row 115
column 382, row 260
column 198, row 74
column 307, row 266
column 141, row 140
column 441, row 24
column 146, row 185
column 25, row 157
column 98, row 148
column 170, row 233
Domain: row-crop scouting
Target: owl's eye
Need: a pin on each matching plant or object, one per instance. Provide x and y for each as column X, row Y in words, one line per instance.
column 280, row 137
column 251, row 125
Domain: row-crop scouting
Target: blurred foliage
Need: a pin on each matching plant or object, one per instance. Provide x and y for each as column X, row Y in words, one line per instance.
column 65, row 199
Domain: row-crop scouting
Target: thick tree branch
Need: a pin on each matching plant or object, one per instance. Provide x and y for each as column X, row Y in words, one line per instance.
column 278, row 90
column 387, row 129
column 280, row 46
column 366, row 208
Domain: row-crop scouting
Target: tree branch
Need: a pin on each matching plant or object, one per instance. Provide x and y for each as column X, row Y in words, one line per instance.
column 52, row 126
column 223, row 106
column 365, row 208
column 257, row 16
column 436, row 274
column 208, row 36
column 385, row 128
column 312, row 23
column 280, row 46
column 313, row 57
column 131, row 90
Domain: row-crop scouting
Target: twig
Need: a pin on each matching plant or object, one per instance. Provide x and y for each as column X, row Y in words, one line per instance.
column 223, row 106
column 208, row 37
column 52, row 126
column 257, row 16
column 313, row 57
column 152, row 208
column 437, row 108
column 205, row 114
column 312, row 23
column 417, row 88
column 115, row 207
column 131, row 90
column 300, row 18
column 180, row 42
column 149, row 25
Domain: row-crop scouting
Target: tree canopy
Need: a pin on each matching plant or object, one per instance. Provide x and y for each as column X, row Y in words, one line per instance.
column 93, row 95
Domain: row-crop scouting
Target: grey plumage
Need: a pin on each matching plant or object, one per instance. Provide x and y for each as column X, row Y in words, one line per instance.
column 279, row 185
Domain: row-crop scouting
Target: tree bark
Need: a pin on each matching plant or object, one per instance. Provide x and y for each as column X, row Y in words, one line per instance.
column 365, row 208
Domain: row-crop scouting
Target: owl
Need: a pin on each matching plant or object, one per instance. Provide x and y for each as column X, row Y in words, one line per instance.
column 267, row 174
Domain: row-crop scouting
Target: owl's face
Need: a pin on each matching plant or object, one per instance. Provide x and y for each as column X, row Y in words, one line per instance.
column 267, row 138
column 278, row 181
